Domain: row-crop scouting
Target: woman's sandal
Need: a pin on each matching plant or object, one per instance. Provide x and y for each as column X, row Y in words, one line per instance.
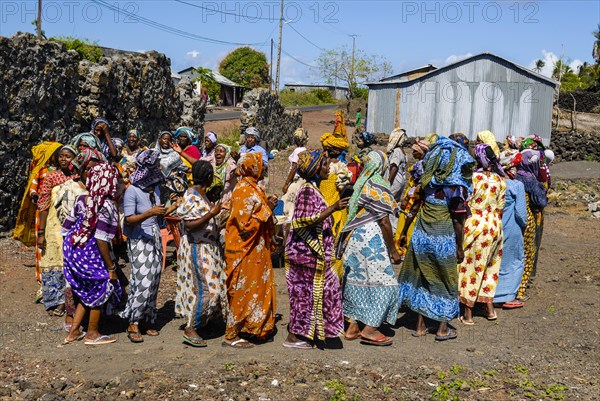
column 197, row 342
column 239, row 343
column 135, row 336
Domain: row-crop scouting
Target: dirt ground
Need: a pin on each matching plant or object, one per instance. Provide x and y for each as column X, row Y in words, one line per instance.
column 547, row 350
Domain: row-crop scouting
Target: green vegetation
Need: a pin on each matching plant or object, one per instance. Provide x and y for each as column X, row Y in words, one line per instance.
column 445, row 392
column 589, row 158
column 492, row 372
column 230, row 136
column 456, row 369
column 521, row 369
column 229, row 366
column 207, row 81
column 313, row 98
column 86, row 49
column 247, row 67
column 339, row 390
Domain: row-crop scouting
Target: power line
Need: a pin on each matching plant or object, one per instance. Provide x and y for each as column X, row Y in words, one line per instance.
column 305, row 38
column 295, row 59
column 169, row 29
column 226, row 12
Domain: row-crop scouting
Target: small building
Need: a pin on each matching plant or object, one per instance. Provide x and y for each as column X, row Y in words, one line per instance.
column 337, row 92
column 482, row 92
column 231, row 92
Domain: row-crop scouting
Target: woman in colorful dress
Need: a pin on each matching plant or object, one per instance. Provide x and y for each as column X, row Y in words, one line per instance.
column 89, row 268
column 489, row 139
column 293, row 181
column 225, row 178
column 528, row 173
column 396, row 171
column 201, row 292
column 141, row 208
column 250, row 285
column 483, row 238
column 316, row 311
column 514, row 222
column 186, row 145
column 49, row 239
column 367, row 244
column 208, row 153
column 428, row 278
column 130, row 151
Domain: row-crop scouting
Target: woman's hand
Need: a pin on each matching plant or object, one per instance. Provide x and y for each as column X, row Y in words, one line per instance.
column 285, row 188
column 342, row 204
column 176, row 148
column 41, row 242
column 216, row 209
column 113, row 275
column 396, row 258
column 158, row 210
column 460, row 255
column 402, row 241
column 272, row 201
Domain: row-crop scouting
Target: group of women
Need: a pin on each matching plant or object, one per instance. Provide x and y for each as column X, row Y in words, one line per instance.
column 448, row 217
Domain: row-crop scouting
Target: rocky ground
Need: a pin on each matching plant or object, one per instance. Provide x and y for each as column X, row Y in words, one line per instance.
column 547, row 350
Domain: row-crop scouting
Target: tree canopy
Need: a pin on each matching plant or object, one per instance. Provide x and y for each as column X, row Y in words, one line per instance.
column 247, row 67
column 336, row 66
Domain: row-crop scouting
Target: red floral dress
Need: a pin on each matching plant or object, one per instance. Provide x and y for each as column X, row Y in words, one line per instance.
column 478, row 273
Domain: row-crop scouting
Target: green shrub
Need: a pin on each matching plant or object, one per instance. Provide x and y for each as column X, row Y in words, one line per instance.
column 323, row 95
column 87, row 50
column 313, row 98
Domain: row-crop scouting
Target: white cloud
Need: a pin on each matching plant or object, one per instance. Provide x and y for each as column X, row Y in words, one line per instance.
column 550, row 59
column 455, row 58
column 193, row 54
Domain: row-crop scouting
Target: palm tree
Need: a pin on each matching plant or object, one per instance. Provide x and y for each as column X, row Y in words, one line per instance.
column 596, row 50
column 539, row 64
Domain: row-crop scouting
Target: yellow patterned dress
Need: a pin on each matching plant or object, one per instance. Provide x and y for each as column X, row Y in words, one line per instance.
column 483, row 240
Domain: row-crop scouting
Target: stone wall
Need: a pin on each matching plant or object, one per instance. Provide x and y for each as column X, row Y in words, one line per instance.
column 575, row 146
column 275, row 124
column 48, row 93
column 586, row 101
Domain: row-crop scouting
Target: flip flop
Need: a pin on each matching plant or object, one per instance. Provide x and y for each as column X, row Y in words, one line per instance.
column 493, row 317
column 197, row 342
column 513, row 304
column 67, row 327
column 380, row 341
column 450, row 336
column 297, row 345
column 236, row 344
column 351, row 338
column 104, row 339
column 152, row 332
column 79, row 338
column 133, row 338
column 415, row 334
column 465, row 322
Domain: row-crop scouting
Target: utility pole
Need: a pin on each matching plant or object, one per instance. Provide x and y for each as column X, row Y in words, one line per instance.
column 39, row 20
column 271, row 69
column 352, row 78
column 279, row 49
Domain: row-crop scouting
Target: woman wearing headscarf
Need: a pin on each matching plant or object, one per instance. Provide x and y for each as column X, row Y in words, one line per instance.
column 489, row 139
column 89, row 268
column 339, row 125
column 367, row 244
column 208, row 153
column 514, row 221
column 411, row 200
column 98, row 138
column 293, row 181
column 49, row 239
column 528, row 173
column 428, row 277
column 201, row 292
column 316, row 311
column 331, row 188
column 187, row 140
column 249, row 232
column 461, row 139
column 132, row 147
column 483, row 238
column 141, row 209
column 396, row 171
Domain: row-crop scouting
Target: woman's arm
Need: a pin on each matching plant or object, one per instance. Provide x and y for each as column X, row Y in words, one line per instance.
column 388, row 237
column 181, row 153
column 104, row 249
column 393, row 172
column 289, row 178
column 194, row 225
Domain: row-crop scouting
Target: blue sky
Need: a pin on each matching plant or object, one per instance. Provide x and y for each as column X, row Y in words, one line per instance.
column 408, row 33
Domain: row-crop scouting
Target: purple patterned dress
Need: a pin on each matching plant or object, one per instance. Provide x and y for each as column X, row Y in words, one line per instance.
column 84, row 267
column 316, row 310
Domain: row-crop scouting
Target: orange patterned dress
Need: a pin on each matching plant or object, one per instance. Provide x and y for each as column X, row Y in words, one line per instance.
column 478, row 273
column 249, row 230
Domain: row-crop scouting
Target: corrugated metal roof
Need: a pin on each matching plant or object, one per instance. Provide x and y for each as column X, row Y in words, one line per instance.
column 468, row 60
column 191, row 71
column 406, row 74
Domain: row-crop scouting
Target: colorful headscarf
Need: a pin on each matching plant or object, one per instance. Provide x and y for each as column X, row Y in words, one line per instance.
column 136, row 132
column 71, row 149
column 83, row 158
column 147, row 172
column 397, row 139
column 530, row 163
column 489, row 138
column 373, row 190
column 187, row 131
column 250, row 166
column 101, row 183
column 221, row 170
column 169, row 159
column 461, row 139
column 509, row 160
column 119, row 144
column 549, row 154
column 328, row 140
column 420, row 146
column 309, row 164
column 447, row 164
column 98, row 121
column 212, row 136
column 532, row 142
column 486, row 158
column 252, row 131
column 513, row 142
column 431, row 138
column 89, row 139
column 367, row 138
column 300, row 136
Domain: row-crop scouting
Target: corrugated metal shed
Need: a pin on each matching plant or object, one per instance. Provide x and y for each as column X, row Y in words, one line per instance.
column 483, row 92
